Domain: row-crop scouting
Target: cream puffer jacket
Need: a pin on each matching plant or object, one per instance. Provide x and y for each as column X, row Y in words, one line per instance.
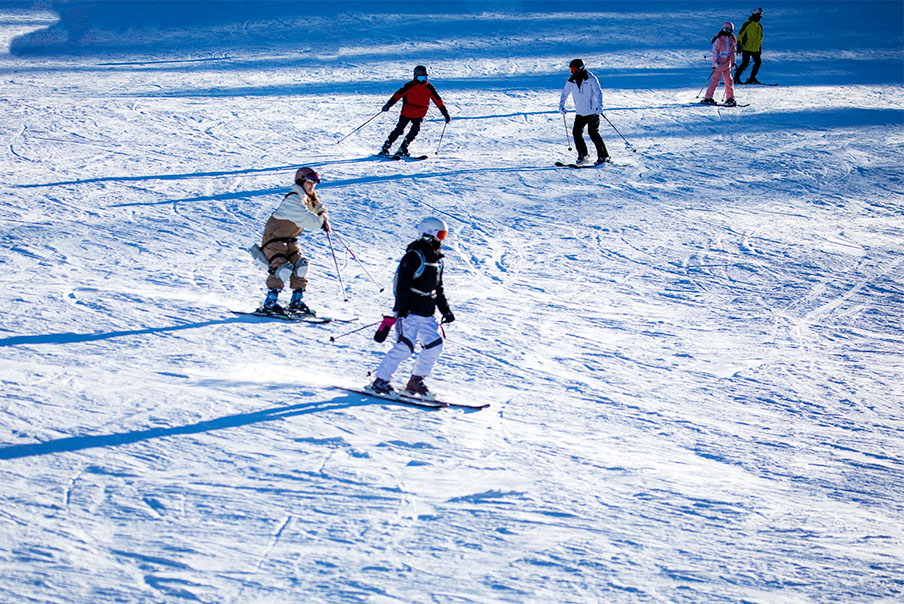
column 296, row 207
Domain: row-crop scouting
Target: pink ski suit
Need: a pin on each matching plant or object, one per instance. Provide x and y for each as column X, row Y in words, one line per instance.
column 724, row 49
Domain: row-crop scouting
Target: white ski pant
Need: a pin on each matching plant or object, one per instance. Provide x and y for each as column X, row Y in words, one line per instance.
column 411, row 330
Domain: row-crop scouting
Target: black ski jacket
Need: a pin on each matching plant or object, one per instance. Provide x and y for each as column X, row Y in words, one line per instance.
column 419, row 281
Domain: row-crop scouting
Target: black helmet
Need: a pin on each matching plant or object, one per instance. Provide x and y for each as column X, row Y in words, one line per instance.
column 420, row 70
column 576, row 64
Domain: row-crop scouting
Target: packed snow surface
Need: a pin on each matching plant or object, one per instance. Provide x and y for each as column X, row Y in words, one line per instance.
column 694, row 357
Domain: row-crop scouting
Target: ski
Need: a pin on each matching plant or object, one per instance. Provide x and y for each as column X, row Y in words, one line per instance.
column 723, row 105
column 579, row 166
column 295, row 318
column 410, row 158
column 400, row 157
column 410, row 399
column 754, row 84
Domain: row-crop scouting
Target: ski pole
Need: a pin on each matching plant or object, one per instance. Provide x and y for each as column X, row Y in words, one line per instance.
column 705, row 83
column 358, row 128
column 630, row 146
column 348, row 333
column 565, row 124
column 439, row 143
column 361, row 264
column 338, row 274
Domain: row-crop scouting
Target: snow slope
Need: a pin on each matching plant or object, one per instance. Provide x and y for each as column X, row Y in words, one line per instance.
column 693, row 356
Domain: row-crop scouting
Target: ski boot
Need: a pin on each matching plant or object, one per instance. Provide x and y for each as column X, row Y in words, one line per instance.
column 384, row 151
column 709, row 101
column 417, row 387
column 297, row 305
column 602, row 160
column 730, row 102
column 583, row 160
column 752, row 80
column 402, row 152
column 380, row 386
column 271, row 304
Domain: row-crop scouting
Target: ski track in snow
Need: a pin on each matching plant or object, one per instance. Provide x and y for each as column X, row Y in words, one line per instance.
column 693, row 356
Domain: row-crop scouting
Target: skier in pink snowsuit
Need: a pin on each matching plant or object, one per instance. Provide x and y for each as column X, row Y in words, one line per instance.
column 724, row 48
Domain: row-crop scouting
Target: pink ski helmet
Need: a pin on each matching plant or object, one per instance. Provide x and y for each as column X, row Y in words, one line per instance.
column 308, row 174
column 728, row 26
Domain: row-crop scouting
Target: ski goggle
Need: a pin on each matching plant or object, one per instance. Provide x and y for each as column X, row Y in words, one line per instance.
column 441, row 235
column 312, row 177
column 420, row 78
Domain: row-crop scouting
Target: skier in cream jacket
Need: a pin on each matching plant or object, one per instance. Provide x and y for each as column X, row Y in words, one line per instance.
column 300, row 209
column 585, row 91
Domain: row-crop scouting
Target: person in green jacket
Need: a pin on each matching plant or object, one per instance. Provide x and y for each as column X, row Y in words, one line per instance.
column 750, row 45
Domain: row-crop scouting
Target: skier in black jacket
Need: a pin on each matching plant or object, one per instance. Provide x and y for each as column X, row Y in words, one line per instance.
column 418, row 294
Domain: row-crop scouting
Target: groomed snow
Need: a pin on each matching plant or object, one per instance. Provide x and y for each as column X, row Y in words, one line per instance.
column 694, row 357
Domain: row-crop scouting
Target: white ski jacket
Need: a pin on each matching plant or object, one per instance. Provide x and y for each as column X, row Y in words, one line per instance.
column 587, row 96
column 294, row 209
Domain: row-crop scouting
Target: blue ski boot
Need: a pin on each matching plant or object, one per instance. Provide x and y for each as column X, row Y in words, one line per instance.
column 297, row 305
column 271, row 304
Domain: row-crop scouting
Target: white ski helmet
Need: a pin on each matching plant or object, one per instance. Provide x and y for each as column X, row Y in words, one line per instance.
column 303, row 174
column 433, row 227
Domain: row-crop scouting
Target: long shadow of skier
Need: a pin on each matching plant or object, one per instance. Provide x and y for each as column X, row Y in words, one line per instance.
column 79, row 443
column 70, row 338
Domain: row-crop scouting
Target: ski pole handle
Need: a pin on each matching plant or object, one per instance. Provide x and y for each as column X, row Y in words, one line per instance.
column 348, row 333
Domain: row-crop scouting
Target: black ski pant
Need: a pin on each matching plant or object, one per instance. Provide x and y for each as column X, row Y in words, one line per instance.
column 746, row 55
column 400, row 128
column 592, row 122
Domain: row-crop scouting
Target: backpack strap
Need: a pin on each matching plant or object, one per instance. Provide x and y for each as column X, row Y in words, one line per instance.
column 420, row 271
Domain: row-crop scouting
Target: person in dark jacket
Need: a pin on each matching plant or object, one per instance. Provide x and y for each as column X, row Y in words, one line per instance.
column 416, row 96
column 750, row 46
column 418, row 295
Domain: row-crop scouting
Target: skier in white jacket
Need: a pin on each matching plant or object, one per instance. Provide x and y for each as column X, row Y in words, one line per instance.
column 585, row 91
column 300, row 209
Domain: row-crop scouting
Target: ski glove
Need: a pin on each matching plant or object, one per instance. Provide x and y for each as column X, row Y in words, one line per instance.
column 386, row 107
column 326, row 224
column 383, row 329
column 446, row 115
column 402, row 314
column 448, row 317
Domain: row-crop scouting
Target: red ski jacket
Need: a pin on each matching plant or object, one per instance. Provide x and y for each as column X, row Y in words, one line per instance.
column 416, row 99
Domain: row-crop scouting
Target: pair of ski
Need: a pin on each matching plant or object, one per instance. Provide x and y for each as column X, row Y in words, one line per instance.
column 412, row 399
column 579, row 166
column 722, row 104
column 294, row 317
column 398, row 157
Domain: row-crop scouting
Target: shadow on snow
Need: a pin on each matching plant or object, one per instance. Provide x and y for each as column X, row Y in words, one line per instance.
column 79, row 443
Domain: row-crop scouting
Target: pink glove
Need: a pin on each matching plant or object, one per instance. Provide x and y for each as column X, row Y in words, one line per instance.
column 383, row 329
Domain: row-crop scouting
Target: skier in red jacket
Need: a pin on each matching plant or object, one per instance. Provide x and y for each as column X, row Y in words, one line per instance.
column 416, row 96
